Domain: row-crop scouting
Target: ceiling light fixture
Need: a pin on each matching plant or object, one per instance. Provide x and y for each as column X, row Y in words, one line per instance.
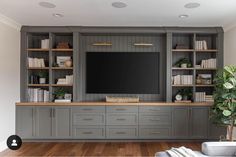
column 183, row 16
column 57, row 15
column 47, row 5
column 192, row 5
column 119, row 5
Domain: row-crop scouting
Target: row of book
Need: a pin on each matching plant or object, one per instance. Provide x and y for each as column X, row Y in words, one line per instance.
column 202, row 97
column 67, row 80
column 182, row 80
column 45, row 44
column 38, row 95
column 36, row 62
column 208, row 63
column 201, row 45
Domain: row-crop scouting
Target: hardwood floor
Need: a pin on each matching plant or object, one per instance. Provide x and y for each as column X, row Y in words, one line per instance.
column 96, row 148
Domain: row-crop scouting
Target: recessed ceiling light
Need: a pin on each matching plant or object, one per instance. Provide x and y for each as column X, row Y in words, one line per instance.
column 183, row 16
column 191, row 5
column 57, row 15
column 47, row 5
column 119, row 5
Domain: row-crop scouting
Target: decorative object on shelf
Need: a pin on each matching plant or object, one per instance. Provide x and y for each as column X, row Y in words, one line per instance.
column 182, row 80
column 68, row 63
column 55, row 64
column 38, row 95
column 63, row 45
column 204, row 79
column 102, row 44
column 183, row 63
column 59, row 93
column 186, row 93
column 62, row 59
column 143, row 44
column 36, row 62
column 67, row 80
column 122, row 99
column 33, row 79
column 178, row 97
column 224, row 109
column 42, row 77
column 201, row 45
column 68, row 96
column 45, row 44
column 181, row 46
column 208, row 63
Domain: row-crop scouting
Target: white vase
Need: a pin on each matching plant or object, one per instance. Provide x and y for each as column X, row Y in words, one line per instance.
column 184, row 65
column 42, row 80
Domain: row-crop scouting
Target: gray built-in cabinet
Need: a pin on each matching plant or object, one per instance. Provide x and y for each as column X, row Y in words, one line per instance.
column 117, row 122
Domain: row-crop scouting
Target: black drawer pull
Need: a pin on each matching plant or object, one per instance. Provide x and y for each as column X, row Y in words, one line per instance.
column 121, row 119
column 120, row 133
column 87, row 132
column 120, row 109
column 88, row 119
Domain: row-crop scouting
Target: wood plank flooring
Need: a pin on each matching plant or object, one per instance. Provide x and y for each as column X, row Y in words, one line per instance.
column 96, row 148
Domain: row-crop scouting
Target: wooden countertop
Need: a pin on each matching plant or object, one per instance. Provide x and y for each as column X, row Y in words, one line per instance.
column 113, row 104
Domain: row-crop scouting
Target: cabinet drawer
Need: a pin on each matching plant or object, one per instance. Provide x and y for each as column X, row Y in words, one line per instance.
column 164, row 119
column 154, row 109
column 89, row 109
column 89, row 133
column 88, row 119
column 122, row 109
column 121, row 119
column 117, row 132
column 154, row 133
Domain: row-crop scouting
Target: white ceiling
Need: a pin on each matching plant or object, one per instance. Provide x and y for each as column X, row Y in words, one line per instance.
column 137, row 13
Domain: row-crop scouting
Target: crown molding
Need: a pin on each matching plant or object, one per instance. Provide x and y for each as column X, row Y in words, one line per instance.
column 8, row 21
column 229, row 27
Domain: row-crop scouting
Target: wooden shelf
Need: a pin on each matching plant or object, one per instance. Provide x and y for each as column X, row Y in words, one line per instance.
column 38, row 68
column 176, row 68
column 182, row 50
column 209, row 50
column 62, row 85
column 206, row 68
column 203, row 85
column 38, row 85
column 37, row 50
column 190, row 85
column 63, row 50
column 62, row 68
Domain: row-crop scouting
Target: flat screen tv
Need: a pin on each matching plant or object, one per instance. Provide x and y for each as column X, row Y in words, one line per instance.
column 122, row 72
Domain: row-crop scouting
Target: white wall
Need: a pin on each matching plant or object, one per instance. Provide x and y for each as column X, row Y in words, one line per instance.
column 9, row 79
column 230, row 47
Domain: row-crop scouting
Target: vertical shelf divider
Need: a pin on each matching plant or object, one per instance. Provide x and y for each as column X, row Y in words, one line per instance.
column 169, row 67
column 50, row 66
column 194, row 63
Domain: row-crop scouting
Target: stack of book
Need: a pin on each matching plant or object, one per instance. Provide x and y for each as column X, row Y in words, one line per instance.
column 209, row 98
column 201, row 45
column 208, row 63
column 36, row 62
column 67, row 80
column 45, row 44
column 38, row 95
column 182, row 80
column 200, row 96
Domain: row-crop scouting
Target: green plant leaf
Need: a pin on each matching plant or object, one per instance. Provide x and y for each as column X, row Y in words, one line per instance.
column 228, row 85
column 226, row 113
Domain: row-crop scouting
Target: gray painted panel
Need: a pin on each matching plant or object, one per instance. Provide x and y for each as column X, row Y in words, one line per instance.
column 152, row 132
column 121, row 119
column 155, row 120
column 121, row 132
column 88, row 119
column 122, row 109
column 88, row 132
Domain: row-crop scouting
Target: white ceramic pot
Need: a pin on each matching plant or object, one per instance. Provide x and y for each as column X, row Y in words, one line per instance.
column 184, row 65
column 42, row 80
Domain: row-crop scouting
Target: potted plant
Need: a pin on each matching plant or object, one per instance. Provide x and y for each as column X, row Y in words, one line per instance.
column 59, row 93
column 42, row 77
column 186, row 93
column 224, row 109
column 183, row 63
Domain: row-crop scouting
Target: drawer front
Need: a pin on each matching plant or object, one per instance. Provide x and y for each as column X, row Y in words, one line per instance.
column 88, row 119
column 154, row 133
column 164, row 119
column 122, row 109
column 121, row 133
column 122, row 119
column 88, row 109
column 154, row 109
column 89, row 133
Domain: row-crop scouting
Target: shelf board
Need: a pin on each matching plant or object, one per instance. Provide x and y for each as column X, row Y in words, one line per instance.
column 62, row 85
column 38, row 85
column 38, row 68
column 63, row 50
column 206, row 68
column 208, row 50
column 62, row 68
column 176, row 68
column 182, row 50
column 37, row 50
column 203, row 85
column 189, row 85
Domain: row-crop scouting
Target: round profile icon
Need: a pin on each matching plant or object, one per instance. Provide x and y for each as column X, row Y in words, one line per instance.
column 14, row 142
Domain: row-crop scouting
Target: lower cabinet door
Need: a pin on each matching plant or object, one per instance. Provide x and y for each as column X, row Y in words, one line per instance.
column 152, row 132
column 121, row 132
column 44, row 122
column 25, row 127
column 62, row 122
column 215, row 131
column 88, row 132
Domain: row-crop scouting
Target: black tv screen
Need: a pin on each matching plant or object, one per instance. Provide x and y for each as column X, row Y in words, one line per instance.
column 122, row 72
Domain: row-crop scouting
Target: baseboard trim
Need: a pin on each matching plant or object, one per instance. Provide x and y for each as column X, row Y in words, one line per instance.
column 3, row 146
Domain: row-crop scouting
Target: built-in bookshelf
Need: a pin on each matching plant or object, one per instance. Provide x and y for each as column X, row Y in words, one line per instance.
column 200, row 52
column 42, row 62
